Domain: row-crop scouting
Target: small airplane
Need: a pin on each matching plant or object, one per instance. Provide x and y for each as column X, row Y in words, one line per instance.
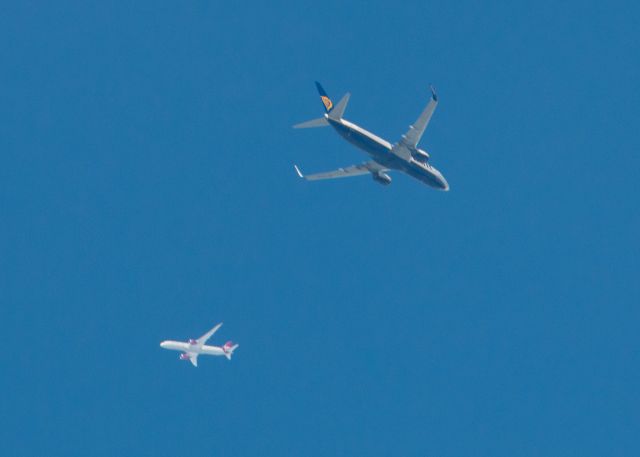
column 193, row 348
column 403, row 156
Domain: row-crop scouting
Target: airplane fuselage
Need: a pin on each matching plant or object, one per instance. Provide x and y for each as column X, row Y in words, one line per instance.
column 382, row 152
column 191, row 348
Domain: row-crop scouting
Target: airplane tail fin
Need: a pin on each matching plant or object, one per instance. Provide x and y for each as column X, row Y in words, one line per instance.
column 326, row 101
column 338, row 111
column 334, row 112
column 228, row 349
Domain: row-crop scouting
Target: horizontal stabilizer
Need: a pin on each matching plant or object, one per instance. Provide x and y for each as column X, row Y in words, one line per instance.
column 320, row 122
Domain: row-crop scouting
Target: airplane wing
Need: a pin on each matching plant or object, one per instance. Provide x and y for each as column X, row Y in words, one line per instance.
column 412, row 137
column 353, row 170
column 203, row 339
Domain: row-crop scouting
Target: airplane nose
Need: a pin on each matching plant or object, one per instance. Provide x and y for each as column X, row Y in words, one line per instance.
column 444, row 185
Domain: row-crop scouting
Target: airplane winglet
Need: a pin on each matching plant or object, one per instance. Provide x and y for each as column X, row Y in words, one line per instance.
column 298, row 171
column 433, row 92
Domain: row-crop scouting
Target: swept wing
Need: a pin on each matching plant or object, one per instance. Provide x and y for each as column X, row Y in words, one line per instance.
column 346, row 172
column 203, row 339
column 413, row 135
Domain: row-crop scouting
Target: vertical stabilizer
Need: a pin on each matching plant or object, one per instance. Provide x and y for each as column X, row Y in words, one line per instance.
column 334, row 112
column 228, row 349
column 326, row 101
column 338, row 111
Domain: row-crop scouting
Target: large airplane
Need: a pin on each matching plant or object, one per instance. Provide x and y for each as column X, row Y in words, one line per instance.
column 193, row 348
column 403, row 156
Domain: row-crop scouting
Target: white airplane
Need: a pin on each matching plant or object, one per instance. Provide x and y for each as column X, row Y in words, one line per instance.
column 403, row 156
column 193, row 348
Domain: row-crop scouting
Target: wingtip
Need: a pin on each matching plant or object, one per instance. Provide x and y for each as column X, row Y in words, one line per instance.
column 300, row 175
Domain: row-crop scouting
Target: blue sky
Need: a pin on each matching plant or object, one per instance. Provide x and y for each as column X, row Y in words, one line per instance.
column 147, row 192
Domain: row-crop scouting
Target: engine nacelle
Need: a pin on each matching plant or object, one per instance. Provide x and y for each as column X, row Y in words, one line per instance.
column 382, row 178
column 419, row 154
column 184, row 356
column 192, row 342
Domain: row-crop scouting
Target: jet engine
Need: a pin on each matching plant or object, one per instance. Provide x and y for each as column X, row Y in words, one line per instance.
column 192, row 342
column 184, row 356
column 382, row 178
column 419, row 154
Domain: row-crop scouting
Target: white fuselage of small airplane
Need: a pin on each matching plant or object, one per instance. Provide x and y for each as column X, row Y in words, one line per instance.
column 192, row 348
column 195, row 347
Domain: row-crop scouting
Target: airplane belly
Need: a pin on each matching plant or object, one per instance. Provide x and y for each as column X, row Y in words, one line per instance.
column 430, row 179
column 211, row 350
column 361, row 141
